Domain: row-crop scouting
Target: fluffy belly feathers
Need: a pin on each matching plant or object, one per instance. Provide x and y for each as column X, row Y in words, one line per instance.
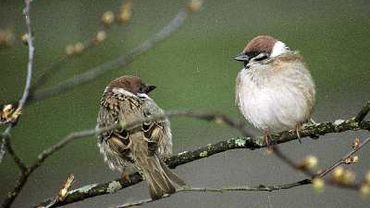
column 276, row 105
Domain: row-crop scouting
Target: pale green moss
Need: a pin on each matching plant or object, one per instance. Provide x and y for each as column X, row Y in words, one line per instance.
column 339, row 122
column 113, row 187
column 203, row 154
column 240, row 142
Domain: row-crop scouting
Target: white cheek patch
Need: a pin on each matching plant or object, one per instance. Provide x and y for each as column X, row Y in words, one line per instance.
column 278, row 49
column 142, row 95
column 122, row 91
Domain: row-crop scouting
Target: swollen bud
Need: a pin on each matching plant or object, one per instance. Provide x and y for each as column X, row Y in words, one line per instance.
column 318, row 185
column 107, row 18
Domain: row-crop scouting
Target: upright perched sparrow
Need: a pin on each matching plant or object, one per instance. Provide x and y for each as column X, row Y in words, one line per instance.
column 274, row 90
column 126, row 100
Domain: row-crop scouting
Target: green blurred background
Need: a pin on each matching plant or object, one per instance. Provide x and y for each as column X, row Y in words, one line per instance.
column 193, row 69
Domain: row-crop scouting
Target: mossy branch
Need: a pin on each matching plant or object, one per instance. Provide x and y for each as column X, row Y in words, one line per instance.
column 311, row 130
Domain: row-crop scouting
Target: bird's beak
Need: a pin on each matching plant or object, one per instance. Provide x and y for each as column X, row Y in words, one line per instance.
column 149, row 88
column 241, row 57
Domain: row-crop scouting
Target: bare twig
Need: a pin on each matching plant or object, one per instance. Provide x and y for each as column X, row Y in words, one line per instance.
column 21, row 165
column 123, row 60
column 8, row 201
column 211, row 149
column 23, row 99
column 343, row 159
column 31, row 50
column 259, row 188
column 262, row 188
column 321, row 174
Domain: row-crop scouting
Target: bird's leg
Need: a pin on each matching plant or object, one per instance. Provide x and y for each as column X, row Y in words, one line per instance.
column 268, row 141
column 267, row 137
column 297, row 128
column 126, row 176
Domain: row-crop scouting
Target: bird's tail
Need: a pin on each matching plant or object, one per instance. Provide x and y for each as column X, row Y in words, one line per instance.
column 161, row 180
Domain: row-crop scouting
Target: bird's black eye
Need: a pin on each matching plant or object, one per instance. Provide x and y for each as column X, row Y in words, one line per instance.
column 260, row 57
column 142, row 89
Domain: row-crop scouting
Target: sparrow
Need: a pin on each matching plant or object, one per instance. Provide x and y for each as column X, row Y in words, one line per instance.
column 126, row 99
column 274, row 90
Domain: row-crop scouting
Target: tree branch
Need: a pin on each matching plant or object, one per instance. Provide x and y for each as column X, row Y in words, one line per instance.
column 123, row 60
column 312, row 130
column 6, row 134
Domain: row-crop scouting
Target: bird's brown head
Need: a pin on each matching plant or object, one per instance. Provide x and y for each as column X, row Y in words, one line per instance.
column 131, row 84
column 260, row 48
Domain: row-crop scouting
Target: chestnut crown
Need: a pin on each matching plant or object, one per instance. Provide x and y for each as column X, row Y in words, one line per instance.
column 261, row 47
column 131, row 84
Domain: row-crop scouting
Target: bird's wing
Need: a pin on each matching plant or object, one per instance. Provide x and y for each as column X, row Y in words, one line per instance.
column 126, row 109
column 115, row 110
column 157, row 132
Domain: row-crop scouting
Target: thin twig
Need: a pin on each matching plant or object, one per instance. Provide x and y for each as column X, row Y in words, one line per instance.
column 8, row 201
column 343, row 159
column 123, row 60
column 263, row 188
column 321, row 174
column 23, row 99
column 21, row 165
column 62, row 143
column 260, row 188
column 31, row 50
